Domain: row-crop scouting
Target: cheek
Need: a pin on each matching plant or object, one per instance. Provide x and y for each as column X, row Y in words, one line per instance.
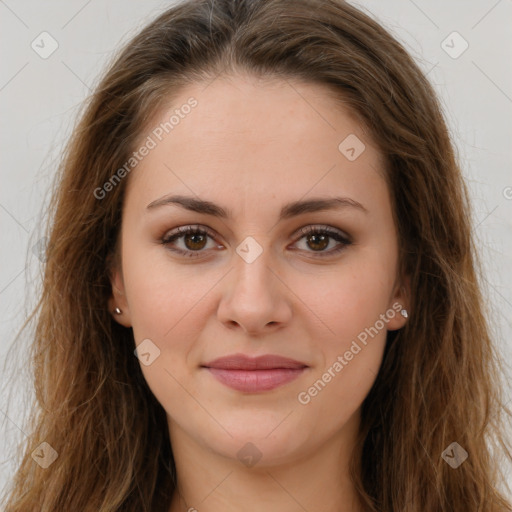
column 164, row 297
column 351, row 334
column 165, row 308
column 352, row 346
column 349, row 299
column 167, row 305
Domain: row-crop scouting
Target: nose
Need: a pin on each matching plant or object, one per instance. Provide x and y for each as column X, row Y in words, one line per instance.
column 255, row 298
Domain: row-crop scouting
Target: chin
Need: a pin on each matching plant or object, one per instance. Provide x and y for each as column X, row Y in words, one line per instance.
column 267, row 441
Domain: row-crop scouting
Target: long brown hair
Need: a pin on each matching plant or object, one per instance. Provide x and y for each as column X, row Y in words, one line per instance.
column 440, row 378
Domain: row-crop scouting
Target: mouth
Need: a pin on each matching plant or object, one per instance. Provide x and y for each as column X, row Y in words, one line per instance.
column 255, row 374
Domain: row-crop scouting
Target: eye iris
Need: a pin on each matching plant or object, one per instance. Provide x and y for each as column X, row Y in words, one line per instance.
column 195, row 237
column 324, row 240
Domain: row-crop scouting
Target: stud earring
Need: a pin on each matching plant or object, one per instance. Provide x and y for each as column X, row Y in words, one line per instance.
column 404, row 313
column 117, row 311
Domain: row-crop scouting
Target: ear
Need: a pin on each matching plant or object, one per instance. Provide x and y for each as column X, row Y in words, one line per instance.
column 400, row 300
column 118, row 297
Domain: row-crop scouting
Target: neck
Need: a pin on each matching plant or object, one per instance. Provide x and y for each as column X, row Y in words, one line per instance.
column 208, row 481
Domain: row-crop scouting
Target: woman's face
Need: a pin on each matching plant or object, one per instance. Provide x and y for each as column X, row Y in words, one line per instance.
column 247, row 154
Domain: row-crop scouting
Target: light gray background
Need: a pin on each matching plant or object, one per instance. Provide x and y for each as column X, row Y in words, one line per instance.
column 39, row 99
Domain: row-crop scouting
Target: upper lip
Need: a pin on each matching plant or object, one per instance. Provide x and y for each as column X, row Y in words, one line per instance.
column 243, row 362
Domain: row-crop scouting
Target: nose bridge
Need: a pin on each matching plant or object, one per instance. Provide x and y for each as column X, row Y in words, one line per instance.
column 253, row 265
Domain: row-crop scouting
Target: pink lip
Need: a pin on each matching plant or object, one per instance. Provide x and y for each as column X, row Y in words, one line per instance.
column 253, row 374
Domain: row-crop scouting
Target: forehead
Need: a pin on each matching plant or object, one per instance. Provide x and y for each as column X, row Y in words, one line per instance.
column 259, row 138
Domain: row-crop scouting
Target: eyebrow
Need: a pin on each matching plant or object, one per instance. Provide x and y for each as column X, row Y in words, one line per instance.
column 288, row 211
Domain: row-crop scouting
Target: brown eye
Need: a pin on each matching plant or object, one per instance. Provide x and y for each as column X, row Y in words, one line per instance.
column 318, row 242
column 195, row 241
column 194, row 238
column 318, row 238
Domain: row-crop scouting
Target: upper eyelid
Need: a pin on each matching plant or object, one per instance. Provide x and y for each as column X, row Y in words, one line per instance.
column 321, row 227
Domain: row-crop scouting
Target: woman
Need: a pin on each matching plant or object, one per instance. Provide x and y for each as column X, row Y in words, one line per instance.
column 261, row 288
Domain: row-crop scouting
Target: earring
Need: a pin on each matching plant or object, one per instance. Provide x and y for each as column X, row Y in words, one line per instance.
column 404, row 313
column 117, row 311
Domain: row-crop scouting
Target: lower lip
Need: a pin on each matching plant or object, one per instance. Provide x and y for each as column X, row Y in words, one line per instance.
column 253, row 381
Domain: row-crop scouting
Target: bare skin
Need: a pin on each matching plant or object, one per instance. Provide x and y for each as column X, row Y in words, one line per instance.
column 251, row 147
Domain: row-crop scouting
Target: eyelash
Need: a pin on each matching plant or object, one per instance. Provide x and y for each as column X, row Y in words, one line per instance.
column 309, row 230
